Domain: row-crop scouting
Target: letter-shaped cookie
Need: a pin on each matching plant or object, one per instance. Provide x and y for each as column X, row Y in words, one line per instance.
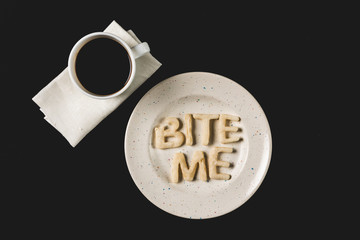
column 205, row 126
column 188, row 129
column 167, row 136
column 179, row 161
column 215, row 162
column 223, row 128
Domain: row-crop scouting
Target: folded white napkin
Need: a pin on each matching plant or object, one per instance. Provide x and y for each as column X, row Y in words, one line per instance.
column 73, row 113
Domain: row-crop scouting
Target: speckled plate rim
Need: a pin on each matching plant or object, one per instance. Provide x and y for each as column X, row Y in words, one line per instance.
column 128, row 143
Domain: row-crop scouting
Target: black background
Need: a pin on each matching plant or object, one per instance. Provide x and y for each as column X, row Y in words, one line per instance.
column 287, row 56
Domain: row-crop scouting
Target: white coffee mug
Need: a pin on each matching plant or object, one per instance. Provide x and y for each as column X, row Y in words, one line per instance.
column 133, row 53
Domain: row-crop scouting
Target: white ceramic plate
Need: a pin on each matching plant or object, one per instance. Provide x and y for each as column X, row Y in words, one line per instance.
column 198, row 92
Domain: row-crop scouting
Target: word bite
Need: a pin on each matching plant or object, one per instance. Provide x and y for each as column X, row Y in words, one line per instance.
column 167, row 134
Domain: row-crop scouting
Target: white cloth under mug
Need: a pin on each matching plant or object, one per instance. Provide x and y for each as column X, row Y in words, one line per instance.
column 73, row 113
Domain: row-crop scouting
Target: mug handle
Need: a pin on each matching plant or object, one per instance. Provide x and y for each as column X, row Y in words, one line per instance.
column 140, row 49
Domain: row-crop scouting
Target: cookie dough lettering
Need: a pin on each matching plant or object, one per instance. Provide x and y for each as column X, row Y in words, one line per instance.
column 224, row 129
column 205, row 126
column 179, row 161
column 214, row 162
column 167, row 136
column 188, row 130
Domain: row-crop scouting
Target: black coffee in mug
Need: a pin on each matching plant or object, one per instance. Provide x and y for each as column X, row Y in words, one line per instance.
column 103, row 66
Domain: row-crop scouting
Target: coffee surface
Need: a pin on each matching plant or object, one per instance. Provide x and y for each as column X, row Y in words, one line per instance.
column 103, row 66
